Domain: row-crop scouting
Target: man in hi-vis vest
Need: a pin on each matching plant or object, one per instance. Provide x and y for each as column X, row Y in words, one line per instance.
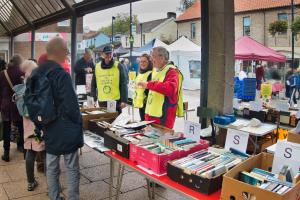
column 165, row 90
column 110, row 81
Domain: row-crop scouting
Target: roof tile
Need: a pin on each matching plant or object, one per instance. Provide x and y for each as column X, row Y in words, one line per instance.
column 240, row 6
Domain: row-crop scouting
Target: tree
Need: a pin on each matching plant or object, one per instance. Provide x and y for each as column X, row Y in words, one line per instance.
column 121, row 24
column 278, row 27
column 185, row 4
column 296, row 26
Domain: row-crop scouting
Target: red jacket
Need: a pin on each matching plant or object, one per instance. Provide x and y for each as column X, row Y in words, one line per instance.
column 169, row 88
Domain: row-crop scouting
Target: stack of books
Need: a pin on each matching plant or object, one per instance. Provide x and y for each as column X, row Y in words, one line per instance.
column 267, row 181
column 209, row 163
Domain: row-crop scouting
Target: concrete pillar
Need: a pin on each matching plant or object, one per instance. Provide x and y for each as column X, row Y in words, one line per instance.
column 221, row 55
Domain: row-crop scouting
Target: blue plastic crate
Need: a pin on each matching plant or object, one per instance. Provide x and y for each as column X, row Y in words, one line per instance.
column 245, row 89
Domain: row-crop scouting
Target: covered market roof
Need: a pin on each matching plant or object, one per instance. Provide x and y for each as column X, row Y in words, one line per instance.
column 19, row 16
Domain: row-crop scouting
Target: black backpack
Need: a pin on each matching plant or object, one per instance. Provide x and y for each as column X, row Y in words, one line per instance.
column 39, row 98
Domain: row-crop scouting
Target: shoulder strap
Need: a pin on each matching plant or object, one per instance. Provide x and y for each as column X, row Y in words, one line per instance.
column 8, row 79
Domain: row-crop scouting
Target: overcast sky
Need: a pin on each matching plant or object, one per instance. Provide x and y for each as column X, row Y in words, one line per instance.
column 146, row 10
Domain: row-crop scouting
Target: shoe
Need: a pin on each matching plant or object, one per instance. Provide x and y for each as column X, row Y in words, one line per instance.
column 32, row 186
column 5, row 156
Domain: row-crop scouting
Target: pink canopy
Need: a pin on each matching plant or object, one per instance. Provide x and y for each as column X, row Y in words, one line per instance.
column 248, row 49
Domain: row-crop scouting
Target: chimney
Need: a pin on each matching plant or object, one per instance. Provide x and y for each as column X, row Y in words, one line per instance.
column 171, row 14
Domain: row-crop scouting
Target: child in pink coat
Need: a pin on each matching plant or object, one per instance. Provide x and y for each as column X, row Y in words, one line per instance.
column 31, row 144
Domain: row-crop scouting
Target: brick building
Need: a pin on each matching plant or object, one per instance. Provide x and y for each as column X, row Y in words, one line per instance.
column 22, row 43
column 252, row 17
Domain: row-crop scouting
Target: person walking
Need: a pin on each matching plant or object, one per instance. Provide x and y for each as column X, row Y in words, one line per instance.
column 292, row 83
column 63, row 135
column 32, row 143
column 83, row 66
column 165, row 90
column 109, row 82
column 260, row 76
column 141, row 94
column 8, row 78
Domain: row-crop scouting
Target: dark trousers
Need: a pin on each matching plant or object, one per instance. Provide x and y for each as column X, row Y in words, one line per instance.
column 142, row 114
column 293, row 95
column 30, row 159
column 7, row 132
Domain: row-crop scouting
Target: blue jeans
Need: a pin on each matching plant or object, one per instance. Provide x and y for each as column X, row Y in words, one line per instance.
column 72, row 169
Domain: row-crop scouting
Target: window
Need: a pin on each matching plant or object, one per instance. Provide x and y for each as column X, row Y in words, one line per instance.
column 144, row 39
column 283, row 16
column 195, row 69
column 64, row 23
column 193, row 30
column 246, row 26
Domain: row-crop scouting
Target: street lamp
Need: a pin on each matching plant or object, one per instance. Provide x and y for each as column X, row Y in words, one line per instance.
column 293, row 35
column 112, row 29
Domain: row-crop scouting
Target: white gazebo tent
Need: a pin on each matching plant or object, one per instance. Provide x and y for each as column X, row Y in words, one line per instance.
column 187, row 56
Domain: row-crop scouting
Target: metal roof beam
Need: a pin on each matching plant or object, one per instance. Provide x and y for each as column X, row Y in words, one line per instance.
column 68, row 7
column 6, row 29
column 22, row 14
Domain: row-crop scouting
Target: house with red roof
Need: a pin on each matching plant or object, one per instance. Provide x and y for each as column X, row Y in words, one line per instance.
column 252, row 18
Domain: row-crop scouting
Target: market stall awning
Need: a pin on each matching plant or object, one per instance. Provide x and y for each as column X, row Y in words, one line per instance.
column 19, row 16
column 247, row 48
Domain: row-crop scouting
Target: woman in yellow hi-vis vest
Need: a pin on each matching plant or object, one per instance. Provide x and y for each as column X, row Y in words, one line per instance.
column 141, row 94
column 110, row 81
column 165, row 90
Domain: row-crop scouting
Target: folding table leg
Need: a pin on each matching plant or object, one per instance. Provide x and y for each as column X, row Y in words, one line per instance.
column 153, row 191
column 119, row 180
column 111, row 181
column 149, row 189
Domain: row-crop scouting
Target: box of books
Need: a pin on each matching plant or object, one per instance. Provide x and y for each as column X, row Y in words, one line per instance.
column 252, row 180
column 203, row 170
column 94, row 113
column 154, row 155
column 119, row 139
column 100, row 125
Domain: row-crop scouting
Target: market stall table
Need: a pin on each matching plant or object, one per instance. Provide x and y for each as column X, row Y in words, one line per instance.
column 256, row 132
column 164, row 180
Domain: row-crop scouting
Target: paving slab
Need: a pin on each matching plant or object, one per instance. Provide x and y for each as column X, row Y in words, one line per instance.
column 92, row 159
column 94, row 191
column 42, row 196
column 169, row 194
column 18, row 189
column 3, row 195
column 98, row 173
column 4, row 177
column 131, row 181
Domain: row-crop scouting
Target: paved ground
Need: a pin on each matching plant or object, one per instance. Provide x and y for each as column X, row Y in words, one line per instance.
column 94, row 182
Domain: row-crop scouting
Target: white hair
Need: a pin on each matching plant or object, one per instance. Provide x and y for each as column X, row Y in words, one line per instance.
column 29, row 64
column 163, row 52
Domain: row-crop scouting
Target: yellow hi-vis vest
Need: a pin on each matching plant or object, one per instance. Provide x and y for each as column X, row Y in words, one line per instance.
column 139, row 94
column 108, row 82
column 155, row 101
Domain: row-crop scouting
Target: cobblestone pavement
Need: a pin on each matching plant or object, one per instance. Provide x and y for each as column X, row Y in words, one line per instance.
column 94, row 170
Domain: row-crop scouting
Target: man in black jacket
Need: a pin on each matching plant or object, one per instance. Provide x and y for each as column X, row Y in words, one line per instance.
column 64, row 135
column 109, row 82
column 83, row 66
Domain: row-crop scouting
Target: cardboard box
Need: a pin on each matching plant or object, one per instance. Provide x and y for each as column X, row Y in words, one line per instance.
column 197, row 183
column 232, row 188
column 293, row 137
column 86, row 117
column 97, row 129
